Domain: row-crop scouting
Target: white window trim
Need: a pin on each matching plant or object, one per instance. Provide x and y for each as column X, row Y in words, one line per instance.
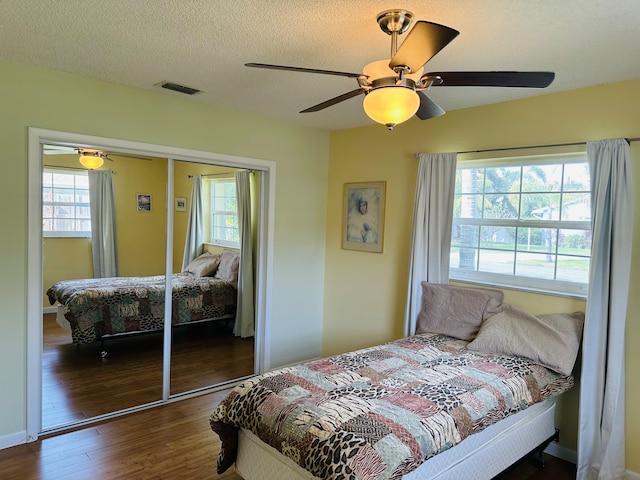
column 65, row 233
column 538, row 285
column 212, row 240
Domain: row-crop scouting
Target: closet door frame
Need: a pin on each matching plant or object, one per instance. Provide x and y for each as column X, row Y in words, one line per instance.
column 264, row 258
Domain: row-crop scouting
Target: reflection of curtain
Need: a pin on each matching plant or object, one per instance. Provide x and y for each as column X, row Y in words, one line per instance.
column 103, row 224
column 601, row 448
column 244, row 325
column 194, row 238
column 432, row 222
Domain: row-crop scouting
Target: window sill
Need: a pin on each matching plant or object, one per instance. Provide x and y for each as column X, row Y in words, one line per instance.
column 65, row 235
column 518, row 288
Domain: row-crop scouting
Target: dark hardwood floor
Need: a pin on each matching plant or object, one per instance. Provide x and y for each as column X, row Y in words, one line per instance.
column 79, row 384
column 172, row 441
column 168, row 442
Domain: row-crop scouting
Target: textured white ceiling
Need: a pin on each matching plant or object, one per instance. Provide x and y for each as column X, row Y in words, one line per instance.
column 205, row 43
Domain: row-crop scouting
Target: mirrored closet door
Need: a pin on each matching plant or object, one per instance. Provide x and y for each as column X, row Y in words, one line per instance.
column 208, row 344
column 110, row 341
column 90, row 367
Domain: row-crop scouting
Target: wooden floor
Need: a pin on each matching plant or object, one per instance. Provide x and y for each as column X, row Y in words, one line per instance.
column 77, row 383
column 169, row 442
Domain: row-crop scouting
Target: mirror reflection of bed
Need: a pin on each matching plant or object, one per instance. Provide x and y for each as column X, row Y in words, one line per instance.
column 79, row 380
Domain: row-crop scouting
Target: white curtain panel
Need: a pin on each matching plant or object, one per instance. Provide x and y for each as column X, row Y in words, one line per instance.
column 432, row 222
column 194, row 237
column 103, row 224
column 245, row 323
column 601, row 448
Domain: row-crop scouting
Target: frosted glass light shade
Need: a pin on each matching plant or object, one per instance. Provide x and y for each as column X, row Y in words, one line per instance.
column 391, row 105
column 91, row 161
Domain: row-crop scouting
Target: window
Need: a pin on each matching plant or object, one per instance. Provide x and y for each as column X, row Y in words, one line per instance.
column 523, row 222
column 65, row 204
column 224, row 213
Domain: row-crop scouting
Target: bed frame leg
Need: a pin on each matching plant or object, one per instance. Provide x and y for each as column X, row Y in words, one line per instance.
column 103, row 352
column 538, row 459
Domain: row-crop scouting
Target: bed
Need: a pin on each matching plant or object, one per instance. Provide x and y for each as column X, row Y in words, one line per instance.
column 100, row 308
column 431, row 405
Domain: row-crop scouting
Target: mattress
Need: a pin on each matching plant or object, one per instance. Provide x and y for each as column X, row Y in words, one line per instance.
column 480, row 456
column 382, row 411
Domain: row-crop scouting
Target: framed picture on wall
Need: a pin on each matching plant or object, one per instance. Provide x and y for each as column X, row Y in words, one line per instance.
column 181, row 204
column 143, row 202
column 363, row 216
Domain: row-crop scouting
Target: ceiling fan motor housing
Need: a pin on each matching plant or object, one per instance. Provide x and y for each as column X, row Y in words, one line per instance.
column 394, row 21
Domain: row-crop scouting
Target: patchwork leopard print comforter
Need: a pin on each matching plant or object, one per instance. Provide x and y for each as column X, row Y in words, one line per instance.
column 105, row 306
column 378, row 413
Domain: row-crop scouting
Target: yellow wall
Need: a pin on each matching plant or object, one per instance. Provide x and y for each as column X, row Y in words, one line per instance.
column 140, row 235
column 52, row 100
column 64, row 259
column 365, row 293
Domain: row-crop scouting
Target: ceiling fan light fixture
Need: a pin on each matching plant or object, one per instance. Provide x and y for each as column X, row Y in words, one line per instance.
column 391, row 105
column 91, row 159
column 380, row 69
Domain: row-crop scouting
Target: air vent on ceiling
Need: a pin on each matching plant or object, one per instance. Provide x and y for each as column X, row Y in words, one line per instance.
column 179, row 88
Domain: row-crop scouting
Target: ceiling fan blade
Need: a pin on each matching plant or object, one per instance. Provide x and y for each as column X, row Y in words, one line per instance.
column 333, row 101
column 304, row 70
column 495, row 79
column 423, row 41
column 428, row 108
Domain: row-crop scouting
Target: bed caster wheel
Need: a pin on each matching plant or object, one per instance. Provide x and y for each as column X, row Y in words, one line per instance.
column 103, row 354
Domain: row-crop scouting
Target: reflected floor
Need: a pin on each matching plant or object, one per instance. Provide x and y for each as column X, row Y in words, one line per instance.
column 77, row 383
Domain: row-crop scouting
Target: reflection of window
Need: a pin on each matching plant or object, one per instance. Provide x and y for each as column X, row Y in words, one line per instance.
column 65, row 204
column 523, row 222
column 224, row 213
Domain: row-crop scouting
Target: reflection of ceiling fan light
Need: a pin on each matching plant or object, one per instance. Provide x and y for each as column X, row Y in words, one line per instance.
column 391, row 105
column 91, row 159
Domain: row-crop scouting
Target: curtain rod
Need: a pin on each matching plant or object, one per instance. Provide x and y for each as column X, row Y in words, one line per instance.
column 571, row 144
column 218, row 174
column 77, row 169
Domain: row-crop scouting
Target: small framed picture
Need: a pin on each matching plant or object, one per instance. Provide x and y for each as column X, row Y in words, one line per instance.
column 181, row 204
column 143, row 202
column 363, row 216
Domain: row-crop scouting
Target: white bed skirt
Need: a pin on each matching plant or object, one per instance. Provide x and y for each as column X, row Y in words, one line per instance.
column 61, row 320
column 480, row 456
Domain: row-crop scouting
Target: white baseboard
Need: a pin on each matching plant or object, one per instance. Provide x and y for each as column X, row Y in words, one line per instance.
column 52, row 309
column 562, row 452
column 571, row 456
column 13, row 439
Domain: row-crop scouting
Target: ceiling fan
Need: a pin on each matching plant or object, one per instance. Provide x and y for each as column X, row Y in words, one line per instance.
column 394, row 89
column 90, row 158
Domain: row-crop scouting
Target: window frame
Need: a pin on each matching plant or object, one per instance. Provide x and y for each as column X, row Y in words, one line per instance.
column 65, row 233
column 212, row 240
column 513, row 281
